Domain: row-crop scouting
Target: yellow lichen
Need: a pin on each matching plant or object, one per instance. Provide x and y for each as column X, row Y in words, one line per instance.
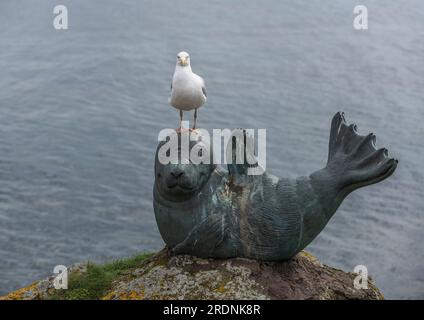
column 132, row 295
column 109, row 296
column 309, row 256
column 20, row 293
column 221, row 289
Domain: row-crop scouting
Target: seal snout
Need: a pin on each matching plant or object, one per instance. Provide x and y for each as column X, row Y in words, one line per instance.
column 177, row 177
column 177, row 172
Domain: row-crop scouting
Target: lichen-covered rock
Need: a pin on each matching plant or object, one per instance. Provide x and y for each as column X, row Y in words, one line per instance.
column 42, row 289
column 186, row 277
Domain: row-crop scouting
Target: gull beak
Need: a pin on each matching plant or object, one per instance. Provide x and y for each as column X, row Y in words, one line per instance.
column 184, row 61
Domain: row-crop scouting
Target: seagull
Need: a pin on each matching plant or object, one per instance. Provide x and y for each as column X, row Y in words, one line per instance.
column 188, row 90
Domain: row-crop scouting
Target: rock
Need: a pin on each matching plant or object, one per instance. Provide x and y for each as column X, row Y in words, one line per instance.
column 42, row 289
column 163, row 276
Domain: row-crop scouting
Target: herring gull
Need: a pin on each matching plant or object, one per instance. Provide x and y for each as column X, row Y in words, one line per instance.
column 188, row 90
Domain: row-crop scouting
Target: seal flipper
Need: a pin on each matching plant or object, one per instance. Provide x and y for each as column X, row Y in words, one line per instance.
column 354, row 159
column 204, row 238
column 353, row 162
column 240, row 156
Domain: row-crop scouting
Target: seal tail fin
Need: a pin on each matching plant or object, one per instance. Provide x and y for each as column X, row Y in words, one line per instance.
column 354, row 158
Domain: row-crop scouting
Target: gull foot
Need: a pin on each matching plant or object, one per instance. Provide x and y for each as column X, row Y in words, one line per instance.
column 181, row 130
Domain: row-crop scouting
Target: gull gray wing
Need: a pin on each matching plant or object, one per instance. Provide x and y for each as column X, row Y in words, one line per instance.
column 203, row 86
column 202, row 83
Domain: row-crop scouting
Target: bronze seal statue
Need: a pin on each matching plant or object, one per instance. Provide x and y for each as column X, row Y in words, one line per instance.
column 206, row 211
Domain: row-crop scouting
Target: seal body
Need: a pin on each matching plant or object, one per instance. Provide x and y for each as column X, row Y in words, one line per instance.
column 207, row 211
column 259, row 218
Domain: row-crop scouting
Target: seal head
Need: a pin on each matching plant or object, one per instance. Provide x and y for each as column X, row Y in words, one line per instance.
column 181, row 180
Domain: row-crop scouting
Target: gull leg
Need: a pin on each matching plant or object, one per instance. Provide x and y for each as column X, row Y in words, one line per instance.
column 194, row 119
column 181, row 120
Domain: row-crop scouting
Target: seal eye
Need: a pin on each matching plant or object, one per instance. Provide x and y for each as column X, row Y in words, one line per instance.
column 159, row 175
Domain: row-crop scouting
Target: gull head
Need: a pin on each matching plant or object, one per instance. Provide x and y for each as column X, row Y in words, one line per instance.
column 183, row 59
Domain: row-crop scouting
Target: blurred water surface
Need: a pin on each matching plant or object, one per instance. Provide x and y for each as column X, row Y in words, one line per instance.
column 81, row 110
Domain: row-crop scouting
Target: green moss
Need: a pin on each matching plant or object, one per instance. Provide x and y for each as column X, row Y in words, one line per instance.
column 95, row 282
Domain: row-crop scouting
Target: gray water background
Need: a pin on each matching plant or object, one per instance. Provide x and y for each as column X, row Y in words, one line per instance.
column 80, row 111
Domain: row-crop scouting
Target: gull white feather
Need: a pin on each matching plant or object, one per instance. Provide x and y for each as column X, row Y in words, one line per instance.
column 188, row 91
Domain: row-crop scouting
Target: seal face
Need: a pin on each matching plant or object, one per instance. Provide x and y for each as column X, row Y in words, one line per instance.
column 181, row 181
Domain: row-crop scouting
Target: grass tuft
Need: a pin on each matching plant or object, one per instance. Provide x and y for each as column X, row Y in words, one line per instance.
column 97, row 280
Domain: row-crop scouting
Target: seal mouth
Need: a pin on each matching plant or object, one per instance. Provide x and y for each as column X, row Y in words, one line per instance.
column 176, row 184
